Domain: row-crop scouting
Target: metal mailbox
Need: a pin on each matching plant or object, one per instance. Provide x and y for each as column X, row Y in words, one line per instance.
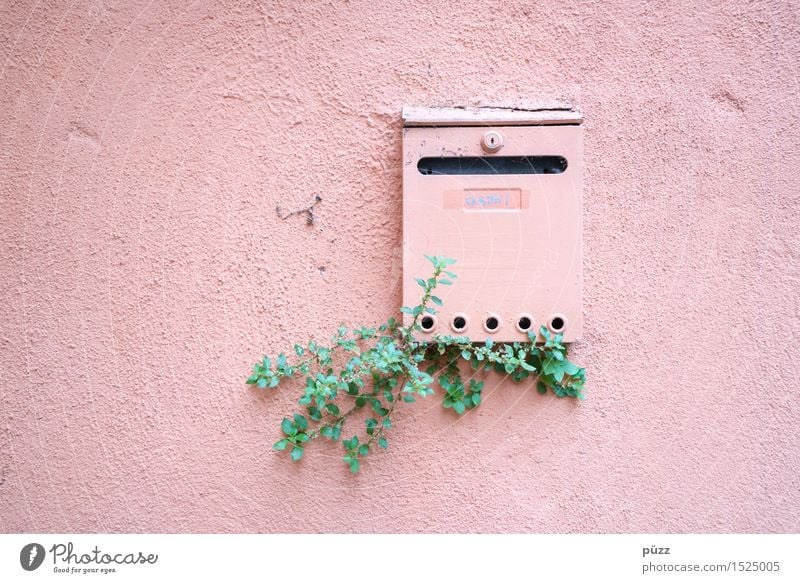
column 500, row 191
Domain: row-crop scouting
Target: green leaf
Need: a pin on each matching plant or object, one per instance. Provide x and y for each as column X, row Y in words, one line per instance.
column 445, row 282
column 459, row 407
column 354, row 466
column 332, row 409
column 281, row 360
column 476, row 399
column 378, row 408
column 299, row 350
column 262, row 383
column 300, row 421
column 437, row 301
column 409, row 399
column 475, row 386
column 541, row 388
column 280, row 445
column 382, row 443
column 288, row 427
column 421, row 283
column 466, row 354
column 297, row 453
column 363, row 449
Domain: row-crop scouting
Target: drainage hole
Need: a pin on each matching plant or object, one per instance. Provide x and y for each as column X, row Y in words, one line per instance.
column 459, row 323
column 427, row 323
column 524, row 323
column 492, row 323
column 557, row 323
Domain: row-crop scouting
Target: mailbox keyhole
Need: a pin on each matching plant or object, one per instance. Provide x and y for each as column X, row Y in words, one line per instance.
column 524, row 323
column 427, row 323
column 557, row 323
column 492, row 141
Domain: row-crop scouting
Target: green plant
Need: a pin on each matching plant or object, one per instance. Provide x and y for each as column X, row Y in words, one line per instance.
column 375, row 369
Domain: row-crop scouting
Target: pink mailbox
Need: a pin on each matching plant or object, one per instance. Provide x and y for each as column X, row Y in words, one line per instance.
column 500, row 191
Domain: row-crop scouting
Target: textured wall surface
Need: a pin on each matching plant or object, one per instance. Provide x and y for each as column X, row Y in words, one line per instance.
column 144, row 147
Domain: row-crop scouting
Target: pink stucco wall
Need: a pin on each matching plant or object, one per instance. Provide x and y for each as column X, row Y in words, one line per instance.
column 144, row 147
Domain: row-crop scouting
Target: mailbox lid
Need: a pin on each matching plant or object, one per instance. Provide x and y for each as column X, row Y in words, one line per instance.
column 414, row 116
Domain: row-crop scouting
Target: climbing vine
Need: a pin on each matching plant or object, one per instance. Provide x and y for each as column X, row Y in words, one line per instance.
column 372, row 371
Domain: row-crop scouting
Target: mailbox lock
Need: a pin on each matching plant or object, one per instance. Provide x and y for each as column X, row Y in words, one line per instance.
column 492, row 141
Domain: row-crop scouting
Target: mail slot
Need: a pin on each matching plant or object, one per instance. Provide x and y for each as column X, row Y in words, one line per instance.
column 499, row 190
